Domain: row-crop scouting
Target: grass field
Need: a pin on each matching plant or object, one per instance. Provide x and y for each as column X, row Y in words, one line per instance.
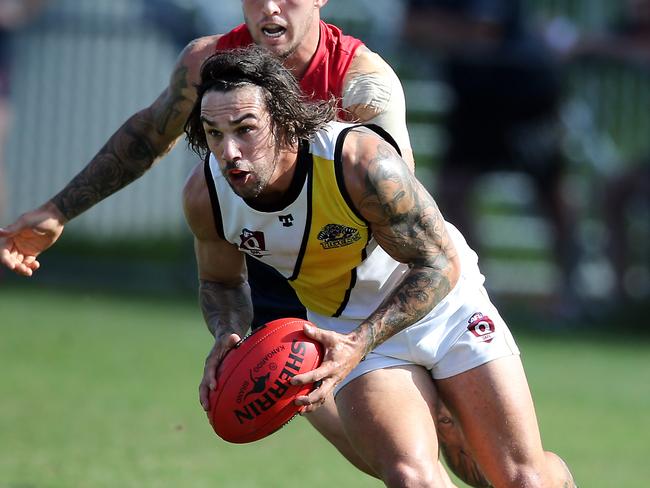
column 101, row 391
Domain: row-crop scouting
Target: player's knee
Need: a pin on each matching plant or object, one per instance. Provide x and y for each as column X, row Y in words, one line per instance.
column 550, row 472
column 413, row 472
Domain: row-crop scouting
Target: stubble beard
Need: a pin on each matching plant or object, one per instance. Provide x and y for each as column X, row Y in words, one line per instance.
column 254, row 192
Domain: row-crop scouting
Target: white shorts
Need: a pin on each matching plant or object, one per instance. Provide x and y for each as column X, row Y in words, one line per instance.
column 463, row 334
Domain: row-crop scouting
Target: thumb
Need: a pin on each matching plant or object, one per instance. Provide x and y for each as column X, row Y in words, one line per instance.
column 312, row 331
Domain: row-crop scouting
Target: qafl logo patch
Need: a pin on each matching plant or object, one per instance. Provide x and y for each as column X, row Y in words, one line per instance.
column 253, row 242
column 334, row 235
column 482, row 327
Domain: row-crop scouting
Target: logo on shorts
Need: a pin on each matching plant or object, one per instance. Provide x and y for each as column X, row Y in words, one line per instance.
column 335, row 235
column 481, row 326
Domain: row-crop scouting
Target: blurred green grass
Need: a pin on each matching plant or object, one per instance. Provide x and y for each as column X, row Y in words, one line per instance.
column 101, row 391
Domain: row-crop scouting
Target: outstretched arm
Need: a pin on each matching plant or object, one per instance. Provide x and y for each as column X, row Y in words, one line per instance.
column 132, row 150
column 141, row 140
column 407, row 224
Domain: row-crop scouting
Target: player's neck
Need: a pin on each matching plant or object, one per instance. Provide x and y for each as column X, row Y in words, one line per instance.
column 300, row 59
column 287, row 160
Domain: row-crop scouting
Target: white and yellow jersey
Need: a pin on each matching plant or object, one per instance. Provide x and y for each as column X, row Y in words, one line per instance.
column 314, row 238
column 323, row 247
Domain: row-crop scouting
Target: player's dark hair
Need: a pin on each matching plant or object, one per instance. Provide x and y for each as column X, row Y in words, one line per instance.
column 293, row 115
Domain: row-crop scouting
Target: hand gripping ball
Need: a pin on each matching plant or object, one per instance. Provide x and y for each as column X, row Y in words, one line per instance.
column 253, row 397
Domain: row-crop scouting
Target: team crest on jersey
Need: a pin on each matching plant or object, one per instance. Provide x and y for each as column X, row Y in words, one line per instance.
column 482, row 327
column 334, row 235
column 252, row 241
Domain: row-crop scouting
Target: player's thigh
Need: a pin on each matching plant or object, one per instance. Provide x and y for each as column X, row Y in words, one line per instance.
column 387, row 415
column 327, row 422
column 495, row 409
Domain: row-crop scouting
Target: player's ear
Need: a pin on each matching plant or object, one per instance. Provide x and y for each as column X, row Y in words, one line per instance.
column 319, row 3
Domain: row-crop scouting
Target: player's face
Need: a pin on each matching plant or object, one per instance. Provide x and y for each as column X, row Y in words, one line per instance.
column 283, row 26
column 238, row 131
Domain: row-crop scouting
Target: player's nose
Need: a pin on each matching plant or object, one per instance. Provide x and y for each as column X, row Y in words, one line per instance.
column 270, row 8
column 230, row 150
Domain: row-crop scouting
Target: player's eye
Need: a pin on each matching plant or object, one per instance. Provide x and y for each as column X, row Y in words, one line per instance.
column 213, row 133
column 245, row 129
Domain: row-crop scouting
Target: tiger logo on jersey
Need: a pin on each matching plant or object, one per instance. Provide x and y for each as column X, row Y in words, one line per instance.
column 334, row 235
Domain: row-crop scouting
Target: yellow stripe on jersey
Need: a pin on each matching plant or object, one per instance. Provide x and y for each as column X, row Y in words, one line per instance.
column 337, row 238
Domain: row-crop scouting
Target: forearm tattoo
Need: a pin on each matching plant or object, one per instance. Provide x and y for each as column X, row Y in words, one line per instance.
column 171, row 115
column 226, row 310
column 124, row 158
column 130, row 152
column 409, row 226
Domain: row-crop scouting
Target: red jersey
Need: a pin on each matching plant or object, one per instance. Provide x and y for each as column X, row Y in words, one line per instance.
column 327, row 69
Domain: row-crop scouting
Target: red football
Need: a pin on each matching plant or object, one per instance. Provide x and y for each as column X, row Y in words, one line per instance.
column 253, row 397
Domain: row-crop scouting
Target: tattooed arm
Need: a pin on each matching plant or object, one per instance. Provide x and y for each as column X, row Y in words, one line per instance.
column 224, row 295
column 128, row 154
column 227, row 310
column 142, row 139
column 406, row 223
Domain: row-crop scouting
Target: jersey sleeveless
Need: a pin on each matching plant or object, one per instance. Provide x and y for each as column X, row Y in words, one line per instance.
column 272, row 298
column 300, row 239
column 315, row 238
column 327, row 69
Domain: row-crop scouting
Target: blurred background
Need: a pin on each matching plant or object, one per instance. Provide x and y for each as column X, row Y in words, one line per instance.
column 530, row 122
column 529, row 119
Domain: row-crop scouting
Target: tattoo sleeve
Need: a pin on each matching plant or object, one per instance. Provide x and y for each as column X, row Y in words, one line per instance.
column 406, row 222
column 226, row 309
column 130, row 152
